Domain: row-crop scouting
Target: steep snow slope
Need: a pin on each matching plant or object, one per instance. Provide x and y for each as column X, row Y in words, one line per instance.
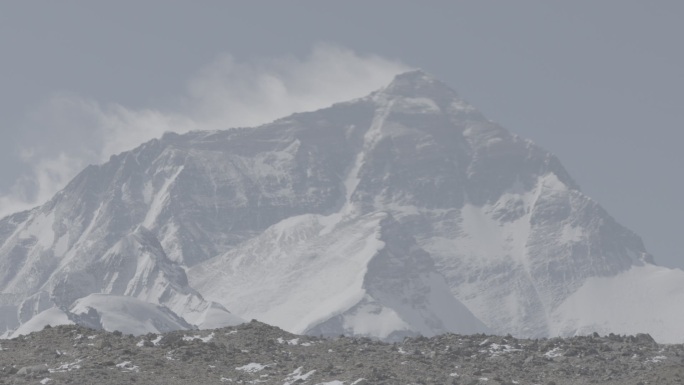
column 530, row 250
column 334, row 275
column 490, row 216
column 52, row 316
column 126, row 314
column 506, row 225
column 110, row 312
column 295, row 273
column 641, row 298
column 134, row 266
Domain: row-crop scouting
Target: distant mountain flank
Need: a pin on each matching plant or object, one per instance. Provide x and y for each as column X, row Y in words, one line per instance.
column 405, row 212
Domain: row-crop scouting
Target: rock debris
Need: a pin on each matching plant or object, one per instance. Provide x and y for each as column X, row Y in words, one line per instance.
column 256, row 353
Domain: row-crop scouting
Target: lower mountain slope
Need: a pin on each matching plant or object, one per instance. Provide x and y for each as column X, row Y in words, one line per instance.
column 134, row 273
column 642, row 298
column 109, row 312
column 332, row 275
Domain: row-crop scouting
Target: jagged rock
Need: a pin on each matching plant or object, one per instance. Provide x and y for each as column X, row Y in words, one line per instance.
column 644, row 338
column 32, row 371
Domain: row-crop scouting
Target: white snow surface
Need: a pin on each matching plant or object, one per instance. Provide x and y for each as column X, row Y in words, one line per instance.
column 607, row 305
column 160, row 199
column 252, row 367
column 297, row 376
column 297, row 277
column 291, row 276
column 128, row 315
column 375, row 321
column 52, row 316
column 205, row 339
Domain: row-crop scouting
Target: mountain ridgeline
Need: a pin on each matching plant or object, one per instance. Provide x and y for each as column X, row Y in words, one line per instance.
column 404, row 212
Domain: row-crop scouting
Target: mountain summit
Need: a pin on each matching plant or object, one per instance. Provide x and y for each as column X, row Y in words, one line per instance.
column 400, row 213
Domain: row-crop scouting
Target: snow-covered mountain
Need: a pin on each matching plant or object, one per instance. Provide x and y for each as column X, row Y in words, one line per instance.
column 110, row 312
column 402, row 212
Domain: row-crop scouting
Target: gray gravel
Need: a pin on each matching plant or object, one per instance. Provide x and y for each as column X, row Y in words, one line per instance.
column 256, row 353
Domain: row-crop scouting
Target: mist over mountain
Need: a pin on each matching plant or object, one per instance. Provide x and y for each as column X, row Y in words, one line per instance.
column 404, row 212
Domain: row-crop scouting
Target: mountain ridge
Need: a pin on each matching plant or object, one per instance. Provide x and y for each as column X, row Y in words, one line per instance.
column 499, row 220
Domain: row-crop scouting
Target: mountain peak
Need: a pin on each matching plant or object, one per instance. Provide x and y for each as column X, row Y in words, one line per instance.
column 419, row 92
column 416, row 75
column 418, row 83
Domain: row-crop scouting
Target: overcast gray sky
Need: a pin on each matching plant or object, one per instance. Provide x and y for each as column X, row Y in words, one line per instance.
column 598, row 83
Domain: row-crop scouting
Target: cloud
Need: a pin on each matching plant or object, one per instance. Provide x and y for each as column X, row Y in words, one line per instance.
column 68, row 132
column 247, row 94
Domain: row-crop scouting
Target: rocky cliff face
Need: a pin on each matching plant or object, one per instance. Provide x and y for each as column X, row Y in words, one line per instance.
column 406, row 209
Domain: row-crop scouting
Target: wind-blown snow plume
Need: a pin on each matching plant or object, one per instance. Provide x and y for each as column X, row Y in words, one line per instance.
column 68, row 132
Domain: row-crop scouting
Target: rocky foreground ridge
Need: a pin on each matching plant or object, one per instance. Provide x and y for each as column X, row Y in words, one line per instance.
column 254, row 353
